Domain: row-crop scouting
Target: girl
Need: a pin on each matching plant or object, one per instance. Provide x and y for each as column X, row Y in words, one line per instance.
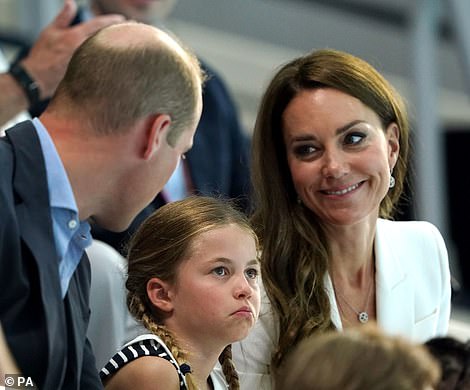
column 193, row 283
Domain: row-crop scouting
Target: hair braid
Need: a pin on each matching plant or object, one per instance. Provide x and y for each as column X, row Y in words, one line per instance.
column 159, row 247
column 138, row 309
column 228, row 368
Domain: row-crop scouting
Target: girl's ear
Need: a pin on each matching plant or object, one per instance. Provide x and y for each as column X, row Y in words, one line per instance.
column 158, row 293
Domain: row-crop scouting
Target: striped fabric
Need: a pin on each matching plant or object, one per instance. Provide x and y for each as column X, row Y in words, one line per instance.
column 149, row 347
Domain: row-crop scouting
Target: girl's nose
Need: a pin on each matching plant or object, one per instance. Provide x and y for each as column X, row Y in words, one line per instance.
column 242, row 287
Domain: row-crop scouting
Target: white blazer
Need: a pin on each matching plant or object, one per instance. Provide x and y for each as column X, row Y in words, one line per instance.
column 412, row 296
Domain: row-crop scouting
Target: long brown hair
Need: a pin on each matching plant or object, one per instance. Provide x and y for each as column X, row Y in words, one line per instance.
column 295, row 252
column 157, row 249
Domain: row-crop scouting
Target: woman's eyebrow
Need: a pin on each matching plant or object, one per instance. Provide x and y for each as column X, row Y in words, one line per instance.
column 347, row 126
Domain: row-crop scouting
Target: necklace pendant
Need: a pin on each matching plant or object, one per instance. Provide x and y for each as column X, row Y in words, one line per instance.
column 363, row 317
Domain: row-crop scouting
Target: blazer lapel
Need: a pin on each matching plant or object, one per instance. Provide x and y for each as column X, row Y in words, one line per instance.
column 335, row 317
column 394, row 298
column 33, row 211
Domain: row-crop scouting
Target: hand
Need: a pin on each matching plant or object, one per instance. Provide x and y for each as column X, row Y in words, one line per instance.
column 50, row 55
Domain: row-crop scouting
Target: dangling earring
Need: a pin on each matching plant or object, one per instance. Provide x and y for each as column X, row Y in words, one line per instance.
column 299, row 201
column 392, row 181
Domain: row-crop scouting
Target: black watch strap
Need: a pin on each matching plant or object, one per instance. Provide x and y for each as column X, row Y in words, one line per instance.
column 23, row 78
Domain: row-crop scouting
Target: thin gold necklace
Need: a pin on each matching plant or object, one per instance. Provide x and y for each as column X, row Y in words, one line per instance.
column 362, row 316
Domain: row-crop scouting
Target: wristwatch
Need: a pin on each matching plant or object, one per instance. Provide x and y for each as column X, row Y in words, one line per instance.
column 26, row 82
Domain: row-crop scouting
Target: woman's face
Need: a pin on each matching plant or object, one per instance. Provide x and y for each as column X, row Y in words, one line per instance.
column 338, row 154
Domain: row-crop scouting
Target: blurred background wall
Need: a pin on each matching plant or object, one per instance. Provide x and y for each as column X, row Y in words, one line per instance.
column 421, row 46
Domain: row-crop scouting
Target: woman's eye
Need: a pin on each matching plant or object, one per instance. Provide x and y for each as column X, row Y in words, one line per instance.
column 354, row 138
column 220, row 271
column 252, row 273
column 304, row 150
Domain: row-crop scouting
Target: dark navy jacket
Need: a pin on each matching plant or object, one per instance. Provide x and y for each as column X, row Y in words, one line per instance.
column 46, row 334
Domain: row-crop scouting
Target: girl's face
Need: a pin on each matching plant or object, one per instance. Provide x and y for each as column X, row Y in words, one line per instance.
column 338, row 154
column 216, row 297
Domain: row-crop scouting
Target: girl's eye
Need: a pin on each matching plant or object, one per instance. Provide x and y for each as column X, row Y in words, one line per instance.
column 220, row 271
column 252, row 273
column 304, row 150
column 354, row 138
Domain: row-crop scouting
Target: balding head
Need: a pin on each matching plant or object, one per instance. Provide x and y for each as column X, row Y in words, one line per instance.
column 126, row 72
column 134, row 34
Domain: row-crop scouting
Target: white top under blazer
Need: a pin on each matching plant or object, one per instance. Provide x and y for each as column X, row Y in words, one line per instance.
column 412, row 296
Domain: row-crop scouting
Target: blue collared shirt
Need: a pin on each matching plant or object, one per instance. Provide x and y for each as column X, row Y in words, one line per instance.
column 71, row 235
column 176, row 187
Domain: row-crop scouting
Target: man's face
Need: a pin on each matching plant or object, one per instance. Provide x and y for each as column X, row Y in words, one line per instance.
column 145, row 11
column 150, row 177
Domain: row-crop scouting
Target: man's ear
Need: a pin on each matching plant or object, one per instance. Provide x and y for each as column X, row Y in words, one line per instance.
column 158, row 293
column 156, row 133
column 393, row 142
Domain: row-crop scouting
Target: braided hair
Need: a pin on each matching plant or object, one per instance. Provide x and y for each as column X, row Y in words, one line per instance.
column 158, row 248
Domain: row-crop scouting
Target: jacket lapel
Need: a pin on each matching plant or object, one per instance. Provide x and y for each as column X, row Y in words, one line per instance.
column 335, row 317
column 394, row 298
column 33, row 211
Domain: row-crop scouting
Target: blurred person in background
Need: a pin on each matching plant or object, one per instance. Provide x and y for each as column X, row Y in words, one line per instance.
column 36, row 75
column 358, row 359
column 453, row 356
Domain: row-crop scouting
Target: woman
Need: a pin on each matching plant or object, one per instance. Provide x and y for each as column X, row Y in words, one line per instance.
column 193, row 283
column 330, row 152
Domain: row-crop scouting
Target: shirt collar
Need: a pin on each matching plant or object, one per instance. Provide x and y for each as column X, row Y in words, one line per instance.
column 60, row 190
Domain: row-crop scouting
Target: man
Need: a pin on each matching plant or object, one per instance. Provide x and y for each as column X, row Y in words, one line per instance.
column 218, row 162
column 125, row 112
column 36, row 76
